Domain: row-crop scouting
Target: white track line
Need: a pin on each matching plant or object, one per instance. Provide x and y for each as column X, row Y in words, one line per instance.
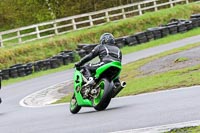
column 37, row 92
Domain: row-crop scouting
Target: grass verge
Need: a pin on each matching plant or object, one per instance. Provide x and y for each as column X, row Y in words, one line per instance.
column 194, row 129
column 125, row 50
column 138, row 83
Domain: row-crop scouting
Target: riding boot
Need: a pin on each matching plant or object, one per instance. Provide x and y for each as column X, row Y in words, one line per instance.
column 89, row 77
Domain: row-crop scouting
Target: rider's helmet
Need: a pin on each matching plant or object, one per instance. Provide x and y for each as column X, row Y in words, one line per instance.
column 107, row 38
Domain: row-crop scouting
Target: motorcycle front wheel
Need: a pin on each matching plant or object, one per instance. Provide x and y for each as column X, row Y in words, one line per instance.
column 74, row 107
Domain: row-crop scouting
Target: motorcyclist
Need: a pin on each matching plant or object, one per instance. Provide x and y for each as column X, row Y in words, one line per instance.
column 107, row 52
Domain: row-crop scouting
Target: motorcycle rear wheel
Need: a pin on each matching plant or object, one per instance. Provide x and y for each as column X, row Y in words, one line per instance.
column 102, row 100
column 74, row 107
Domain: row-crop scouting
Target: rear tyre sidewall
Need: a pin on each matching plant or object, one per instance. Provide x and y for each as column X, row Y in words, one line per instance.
column 105, row 96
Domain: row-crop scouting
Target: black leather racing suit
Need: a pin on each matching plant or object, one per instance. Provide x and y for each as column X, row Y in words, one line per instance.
column 106, row 52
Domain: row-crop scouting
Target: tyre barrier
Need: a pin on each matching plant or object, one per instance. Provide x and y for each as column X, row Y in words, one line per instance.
column 59, row 59
column 156, row 32
column 55, row 63
column 5, row 74
column 149, row 35
column 181, row 25
column 195, row 16
column 66, row 59
column 131, row 40
column 28, row 68
column 195, row 20
column 120, row 42
column 13, row 72
column 82, row 53
column 68, row 56
column 21, row 70
column 189, row 24
column 173, row 29
column 70, row 53
column 141, row 37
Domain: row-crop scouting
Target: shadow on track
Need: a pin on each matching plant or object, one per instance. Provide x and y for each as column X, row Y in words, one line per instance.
column 108, row 109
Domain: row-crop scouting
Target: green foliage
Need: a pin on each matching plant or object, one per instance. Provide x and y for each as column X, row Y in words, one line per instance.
column 181, row 59
column 18, row 13
column 42, row 49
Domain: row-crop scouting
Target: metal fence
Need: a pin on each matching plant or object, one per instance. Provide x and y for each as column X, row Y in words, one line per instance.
column 64, row 25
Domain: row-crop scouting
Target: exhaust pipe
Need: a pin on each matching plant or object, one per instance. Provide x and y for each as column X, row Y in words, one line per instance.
column 118, row 89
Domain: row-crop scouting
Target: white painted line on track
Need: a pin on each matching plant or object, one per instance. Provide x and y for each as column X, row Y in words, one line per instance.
column 22, row 103
column 162, row 128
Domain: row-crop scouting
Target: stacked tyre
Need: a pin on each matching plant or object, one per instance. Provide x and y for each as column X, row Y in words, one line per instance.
column 156, row 32
column 5, row 74
column 120, row 42
column 131, row 40
column 141, row 37
column 149, row 35
column 81, row 53
column 164, row 31
column 13, row 72
column 195, row 20
column 28, row 68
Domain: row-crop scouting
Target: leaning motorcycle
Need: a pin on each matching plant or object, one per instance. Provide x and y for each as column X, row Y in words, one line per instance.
column 100, row 93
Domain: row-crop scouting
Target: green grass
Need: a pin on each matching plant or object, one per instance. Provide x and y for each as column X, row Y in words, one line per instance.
column 64, row 99
column 46, row 48
column 138, row 83
column 193, row 129
column 181, row 59
column 125, row 50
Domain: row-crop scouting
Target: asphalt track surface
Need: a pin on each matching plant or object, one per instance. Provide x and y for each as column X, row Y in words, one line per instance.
column 145, row 110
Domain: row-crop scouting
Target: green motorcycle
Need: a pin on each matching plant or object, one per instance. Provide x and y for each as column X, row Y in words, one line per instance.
column 99, row 94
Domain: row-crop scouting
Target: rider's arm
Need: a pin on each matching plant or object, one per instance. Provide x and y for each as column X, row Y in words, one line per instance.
column 90, row 56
